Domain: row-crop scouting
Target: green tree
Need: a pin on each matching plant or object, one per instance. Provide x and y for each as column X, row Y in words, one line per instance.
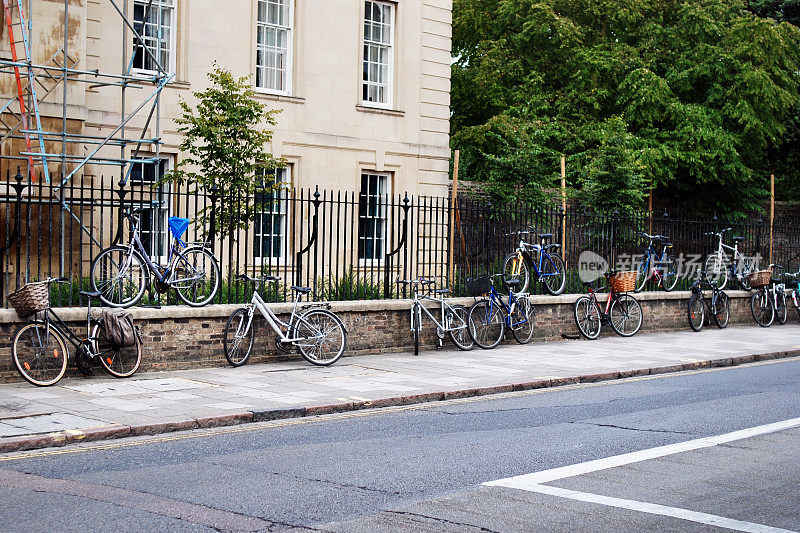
column 226, row 150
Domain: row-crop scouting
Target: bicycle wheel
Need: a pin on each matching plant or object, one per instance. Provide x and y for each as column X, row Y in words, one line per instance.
column 696, row 312
column 324, row 337
column 642, row 273
column 486, row 324
column 781, row 310
column 722, row 310
column 587, row 317
column 554, row 275
column 626, row 315
column 459, row 319
column 39, row 354
column 196, row 277
column 523, row 320
column 717, row 270
column 670, row 270
column 743, row 274
column 762, row 308
column 516, row 268
column 120, row 276
column 119, row 362
column 239, row 337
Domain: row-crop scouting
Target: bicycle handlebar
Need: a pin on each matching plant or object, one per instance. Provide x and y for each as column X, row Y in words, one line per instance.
column 273, row 279
column 420, row 281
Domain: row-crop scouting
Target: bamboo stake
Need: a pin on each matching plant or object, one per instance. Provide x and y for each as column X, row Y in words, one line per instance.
column 564, row 208
column 454, row 194
column 771, row 212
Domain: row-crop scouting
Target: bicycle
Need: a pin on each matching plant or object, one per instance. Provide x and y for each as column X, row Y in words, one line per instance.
column 39, row 350
column 792, row 284
column 454, row 317
column 622, row 311
column 769, row 300
column 317, row 334
column 719, row 305
column 540, row 261
column 489, row 318
column 121, row 273
column 719, row 265
column 657, row 263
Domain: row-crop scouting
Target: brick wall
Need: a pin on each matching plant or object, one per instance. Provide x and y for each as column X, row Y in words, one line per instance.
column 182, row 337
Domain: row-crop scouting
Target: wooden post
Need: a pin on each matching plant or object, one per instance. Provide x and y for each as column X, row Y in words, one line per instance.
column 564, row 208
column 453, row 198
column 771, row 212
column 650, row 210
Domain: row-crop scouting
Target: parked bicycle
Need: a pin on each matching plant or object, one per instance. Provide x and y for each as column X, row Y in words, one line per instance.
column 540, row 262
column 317, row 334
column 657, row 263
column 622, row 311
column 490, row 317
column 718, row 306
column 769, row 300
column 39, row 349
column 454, row 317
column 720, row 265
column 792, row 284
column 121, row 273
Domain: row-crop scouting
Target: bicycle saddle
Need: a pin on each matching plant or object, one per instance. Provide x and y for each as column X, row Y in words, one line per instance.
column 302, row 290
column 512, row 282
column 545, row 235
column 738, row 239
column 91, row 294
column 442, row 291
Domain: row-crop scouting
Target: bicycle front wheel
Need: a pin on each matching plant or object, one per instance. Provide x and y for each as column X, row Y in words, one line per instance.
column 119, row 362
column 626, row 315
column 717, row 270
column 781, row 311
column 196, row 278
column 515, row 268
column 39, row 354
column 587, row 317
column 670, row 278
column 696, row 312
column 120, row 276
column 762, row 308
column 722, row 310
column 323, row 337
column 554, row 276
column 486, row 324
column 522, row 320
column 239, row 337
column 642, row 273
column 459, row 328
column 743, row 274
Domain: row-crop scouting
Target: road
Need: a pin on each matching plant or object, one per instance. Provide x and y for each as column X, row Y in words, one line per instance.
column 425, row 467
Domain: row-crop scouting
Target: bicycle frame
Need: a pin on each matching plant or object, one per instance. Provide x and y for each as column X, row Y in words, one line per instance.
column 258, row 303
column 593, row 298
column 51, row 319
column 495, row 298
column 722, row 256
column 416, row 303
column 655, row 263
column 524, row 251
column 172, row 258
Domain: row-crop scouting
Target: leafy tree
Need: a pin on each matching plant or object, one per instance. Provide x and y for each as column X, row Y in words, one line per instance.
column 227, row 152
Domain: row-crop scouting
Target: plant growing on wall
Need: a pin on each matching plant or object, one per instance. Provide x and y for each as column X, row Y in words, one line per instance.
column 226, row 150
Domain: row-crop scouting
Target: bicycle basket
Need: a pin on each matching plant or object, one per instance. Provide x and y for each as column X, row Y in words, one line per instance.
column 623, row 281
column 178, row 227
column 30, row 299
column 479, row 286
column 759, row 278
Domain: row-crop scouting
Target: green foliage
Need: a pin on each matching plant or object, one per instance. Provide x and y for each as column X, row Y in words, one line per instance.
column 351, row 286
column 698, row 99
column 226, row 149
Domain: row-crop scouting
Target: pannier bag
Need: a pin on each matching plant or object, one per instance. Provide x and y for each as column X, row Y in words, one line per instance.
column 118, row 328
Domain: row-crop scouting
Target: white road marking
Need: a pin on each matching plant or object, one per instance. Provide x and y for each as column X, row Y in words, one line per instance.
column 663, row 510
column 546, row 476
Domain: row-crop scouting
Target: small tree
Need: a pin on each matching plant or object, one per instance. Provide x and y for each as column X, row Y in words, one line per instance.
column 226, row 150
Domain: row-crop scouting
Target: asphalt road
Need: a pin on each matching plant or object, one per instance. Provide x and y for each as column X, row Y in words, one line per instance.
column 422, row 468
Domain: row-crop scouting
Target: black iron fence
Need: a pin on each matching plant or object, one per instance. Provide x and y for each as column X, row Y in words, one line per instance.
column 346, row 245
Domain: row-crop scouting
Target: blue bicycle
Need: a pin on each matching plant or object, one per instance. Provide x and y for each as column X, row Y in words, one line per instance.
column 538, row 261
column 121, row 273
column 657, row 263
column 489, row 318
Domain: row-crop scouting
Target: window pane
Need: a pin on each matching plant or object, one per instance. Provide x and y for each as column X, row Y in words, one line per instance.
column 273, row 41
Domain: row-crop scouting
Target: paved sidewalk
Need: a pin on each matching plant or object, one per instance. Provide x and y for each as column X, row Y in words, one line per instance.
column 101, row 407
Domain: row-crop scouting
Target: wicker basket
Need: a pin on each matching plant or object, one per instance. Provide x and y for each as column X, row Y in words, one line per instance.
column 759, row 278
column 623, row 281
column 479, row 286
column 30, row 299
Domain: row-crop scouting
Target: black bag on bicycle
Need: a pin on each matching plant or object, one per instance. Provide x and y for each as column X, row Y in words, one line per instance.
column 118, row 328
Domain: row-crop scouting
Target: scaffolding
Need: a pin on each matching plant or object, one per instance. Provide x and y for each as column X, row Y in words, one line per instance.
column 37, row 84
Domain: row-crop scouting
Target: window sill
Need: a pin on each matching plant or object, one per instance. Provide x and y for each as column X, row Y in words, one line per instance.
column 261, row 95
column 380, row 110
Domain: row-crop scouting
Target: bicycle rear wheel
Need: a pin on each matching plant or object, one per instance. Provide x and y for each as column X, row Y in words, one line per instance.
column 670, row 270
column 553, row 276
column 722, row 310
column 460, row 319
column 120, row 276
column 516, row 268
column 119, row 362
column 324, row 337
column 522, row 320
column 643, row 272
column 239, row 337
column 626, row 315
column 39, row 354
column 696, row 312
column 486, row 324
column 762, row 308
column 587, row 317
column 196, row 278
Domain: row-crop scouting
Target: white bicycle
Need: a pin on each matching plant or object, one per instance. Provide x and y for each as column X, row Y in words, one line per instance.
column 317, row 333
column 719, row 264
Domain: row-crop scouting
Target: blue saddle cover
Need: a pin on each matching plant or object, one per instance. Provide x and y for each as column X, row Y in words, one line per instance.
column 178, row 227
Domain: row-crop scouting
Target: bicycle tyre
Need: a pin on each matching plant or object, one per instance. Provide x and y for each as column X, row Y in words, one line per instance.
column 461, row 337
column 210, row 281
column 328, row 349
column 717, row 270
column 642, row 273
column 556, row 283
column 587, row 318
column 696, row 312
column 105, row 263
column 782, row 313
column 415, row 326
column 722, row 310
column 762, row 308
column 233, row 338
column 515, row 267
column 744, row 276
column 625, row 309
column 31, row 354
column 670, row 278
column 119, row 362
column 525, row 316
column 486, row 324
